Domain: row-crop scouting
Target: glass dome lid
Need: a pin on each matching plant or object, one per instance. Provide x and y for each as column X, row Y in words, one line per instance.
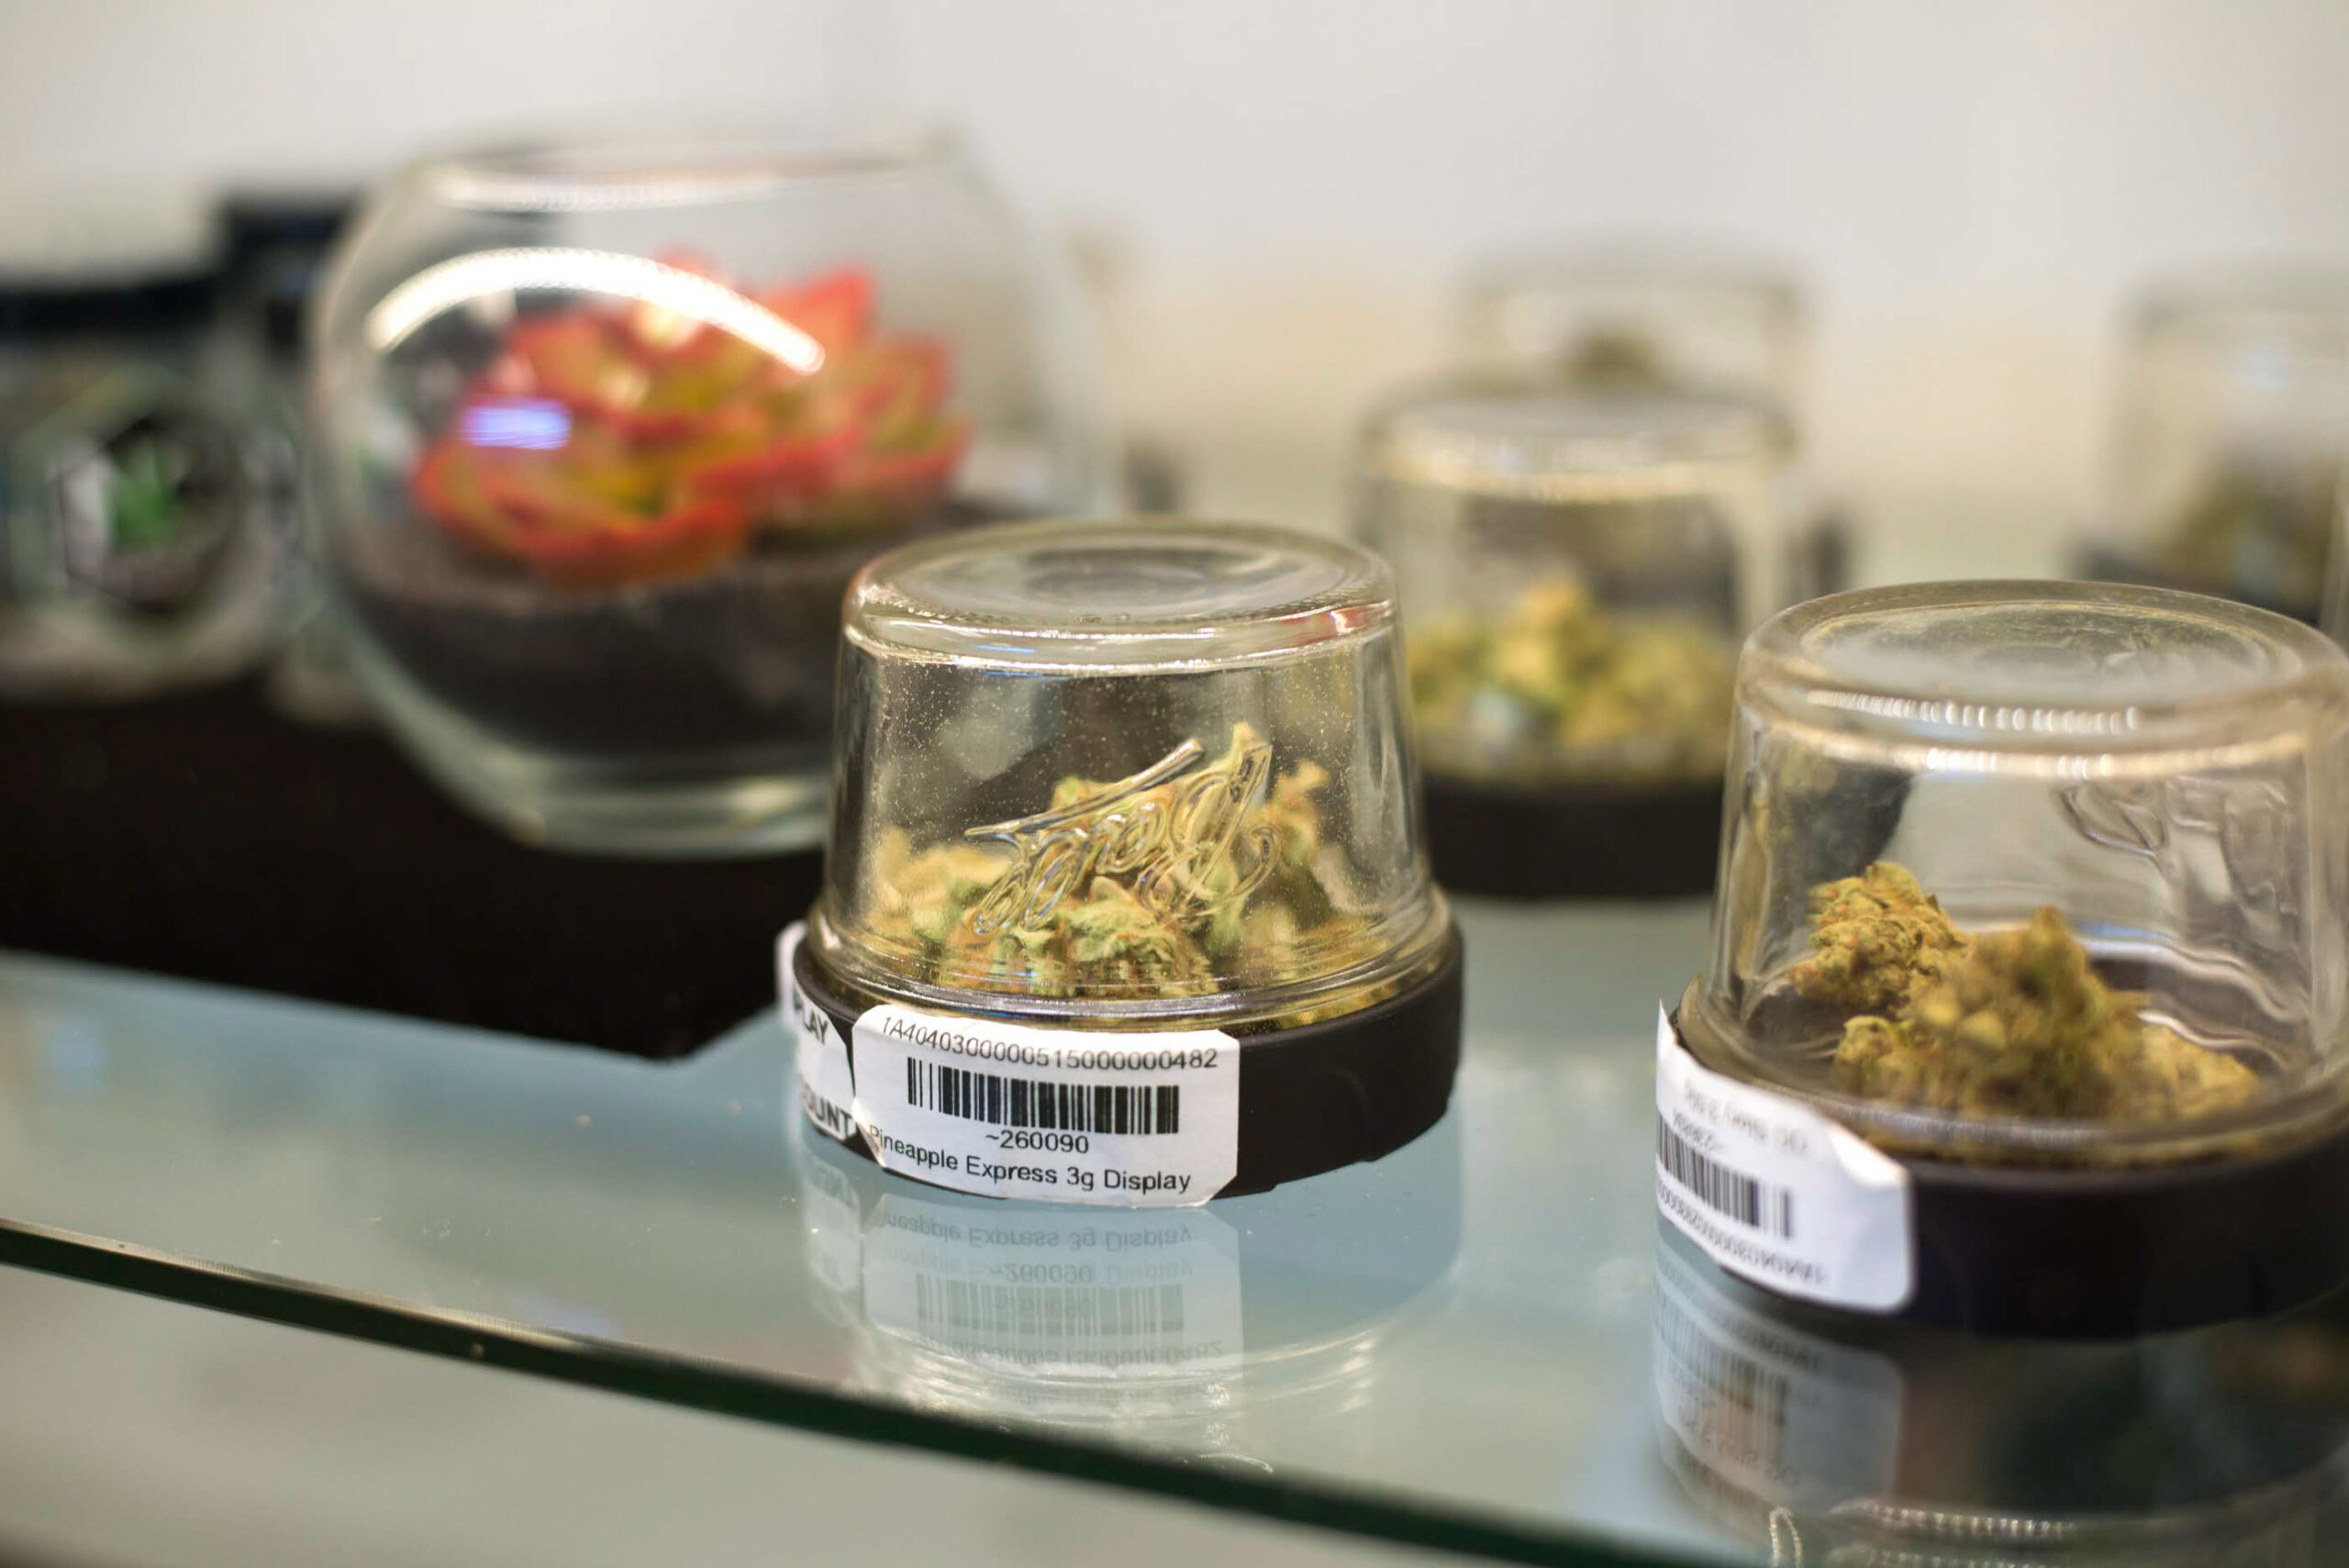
column 2035, row 667
column 1135, row 775
column 2033, row 872
column 1534, row 445
column 1104, row 597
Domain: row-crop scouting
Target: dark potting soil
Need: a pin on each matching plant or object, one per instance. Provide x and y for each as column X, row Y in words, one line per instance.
column 740, row 657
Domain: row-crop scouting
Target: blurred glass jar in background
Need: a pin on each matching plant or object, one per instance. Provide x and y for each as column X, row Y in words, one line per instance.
column 132, row 558
column 1578, row 570
column 276, row 243
column 2233, row 408
column 1641, row 317
column 277, row 240
column 600, row 432
column 1666, row 317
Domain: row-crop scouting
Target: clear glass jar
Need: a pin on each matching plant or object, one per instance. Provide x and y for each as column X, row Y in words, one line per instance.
column 600, row 432
column 132, row 558
column 1137, row 776
column 2044, row 875
column 1643, row 318
column 1657, row 316
column 2233, row 410
column 1581, row 570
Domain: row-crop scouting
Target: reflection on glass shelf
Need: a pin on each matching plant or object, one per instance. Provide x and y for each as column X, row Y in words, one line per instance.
column 1843, row 1442
column 1450, row 1344
column 1174, row 1322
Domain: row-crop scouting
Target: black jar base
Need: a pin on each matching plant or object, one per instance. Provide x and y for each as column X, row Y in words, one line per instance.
column 2119, row 1252
column 1314, row 1097
column 1575, row 840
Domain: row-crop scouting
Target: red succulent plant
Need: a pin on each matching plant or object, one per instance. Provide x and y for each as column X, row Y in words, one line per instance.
column 610, row 444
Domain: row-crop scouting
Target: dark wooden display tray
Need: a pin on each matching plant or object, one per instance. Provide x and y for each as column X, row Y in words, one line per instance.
column 205, row 835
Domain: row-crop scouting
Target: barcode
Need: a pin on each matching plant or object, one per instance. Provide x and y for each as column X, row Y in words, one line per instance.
column 1722, row 1190
column 1056, row 1314
column 1142, row 1109
column 1728, row 1373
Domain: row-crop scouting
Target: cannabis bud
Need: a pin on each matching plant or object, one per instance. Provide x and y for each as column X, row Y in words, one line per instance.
column 1186, row 876
column 1874, row 938
column 2007, row 1023
column 1557, row 674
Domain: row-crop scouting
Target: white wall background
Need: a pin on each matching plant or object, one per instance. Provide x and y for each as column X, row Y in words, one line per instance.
column 1972, row 185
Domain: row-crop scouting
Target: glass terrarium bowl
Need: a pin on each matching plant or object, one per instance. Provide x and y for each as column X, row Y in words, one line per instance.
column 599, row 432
column 1116, row 780
column 2040, row 889
column 2233, row 410
column 1581, row 567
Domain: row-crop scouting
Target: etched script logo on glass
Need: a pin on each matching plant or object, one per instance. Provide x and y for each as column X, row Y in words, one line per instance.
column 1180, row 836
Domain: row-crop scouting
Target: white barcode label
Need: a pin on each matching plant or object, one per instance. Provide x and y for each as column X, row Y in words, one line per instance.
column 825, row 1089
column 1776, row 1192
column 1143, row 1111
column 1058, row 1293
column 1731, row 1194
column 1130, row 1120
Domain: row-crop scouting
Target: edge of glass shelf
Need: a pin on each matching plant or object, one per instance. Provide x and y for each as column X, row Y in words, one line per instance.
column 696, row 1384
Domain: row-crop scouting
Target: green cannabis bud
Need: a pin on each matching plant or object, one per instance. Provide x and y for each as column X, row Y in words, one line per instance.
column 2007, row 1023
column 1876, row 940
column 1557, row 684
column 1187, row 877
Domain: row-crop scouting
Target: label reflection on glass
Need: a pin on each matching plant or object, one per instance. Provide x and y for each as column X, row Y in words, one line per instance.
column 1783, row 1415
column 1057, row 1293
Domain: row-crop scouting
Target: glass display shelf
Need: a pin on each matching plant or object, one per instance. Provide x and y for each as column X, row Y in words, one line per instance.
column 1483, row 1341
